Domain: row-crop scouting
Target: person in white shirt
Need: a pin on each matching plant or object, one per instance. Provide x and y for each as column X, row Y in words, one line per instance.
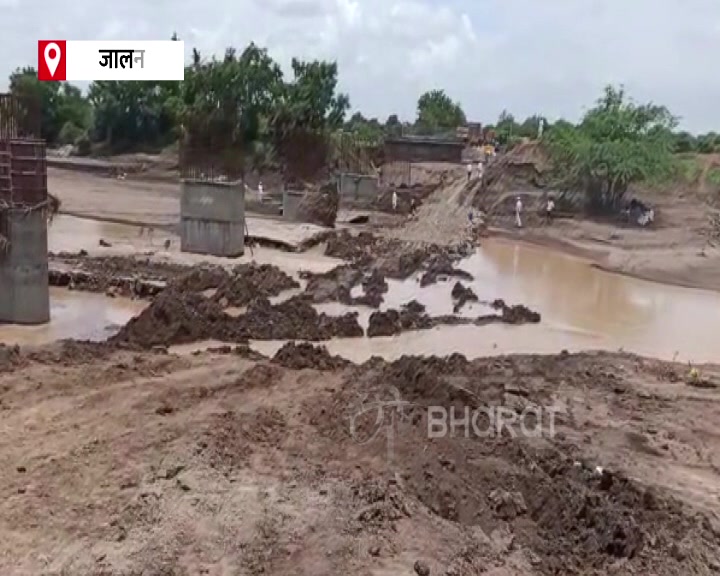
column 518, row 211
column 469, row 170
column 549, row 210
column 480, row 169
column 394, row 200
column 260, row 191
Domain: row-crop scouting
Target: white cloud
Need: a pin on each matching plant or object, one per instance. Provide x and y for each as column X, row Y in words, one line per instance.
column 552, row 57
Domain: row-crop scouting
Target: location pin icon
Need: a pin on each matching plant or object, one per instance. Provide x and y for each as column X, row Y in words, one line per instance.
column 52, row 57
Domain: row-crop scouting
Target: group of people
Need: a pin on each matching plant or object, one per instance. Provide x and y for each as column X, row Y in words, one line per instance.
column 477, row 168
column 549, row 210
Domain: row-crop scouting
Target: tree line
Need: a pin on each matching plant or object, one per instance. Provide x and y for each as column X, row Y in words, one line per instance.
column 246, row 95
column 244, row 101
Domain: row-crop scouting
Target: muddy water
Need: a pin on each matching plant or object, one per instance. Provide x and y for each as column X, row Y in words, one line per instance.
column 79, row 315
column 582, row 308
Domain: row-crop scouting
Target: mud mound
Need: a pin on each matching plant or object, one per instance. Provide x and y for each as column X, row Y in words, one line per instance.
column 176, row 318
column 337, row 284
column 526, row 495
column 200, row 279
column 517, row 314
column 249, row 281
column 293, row 319
column 298, row 356
column 462, row 295
column 412, row 316
column 442, row 265
column 358, row 248
column 408, row 197
column 320, row 205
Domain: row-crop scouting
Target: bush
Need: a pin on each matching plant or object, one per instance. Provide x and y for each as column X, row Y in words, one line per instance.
column 69, row 133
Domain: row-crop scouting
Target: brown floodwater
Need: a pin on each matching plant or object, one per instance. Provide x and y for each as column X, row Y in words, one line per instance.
column 79, row 315
column 582, row 308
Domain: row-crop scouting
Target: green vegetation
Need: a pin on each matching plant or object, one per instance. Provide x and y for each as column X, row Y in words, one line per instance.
column 617, row 143
column 243, row 103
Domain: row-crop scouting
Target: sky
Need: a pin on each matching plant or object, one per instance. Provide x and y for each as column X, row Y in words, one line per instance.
column 551, row 57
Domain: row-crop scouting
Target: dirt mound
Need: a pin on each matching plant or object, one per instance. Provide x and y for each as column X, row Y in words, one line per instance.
column 200, row 278
column 175, row 318
column 337, row 284
column 462, row 295
column 408, row 197
column 319, row 205
column 516, row 492
column 517, row 314
column 294, row 319
column 442, row 265
column 298, row 356
column 412, row 316
column 524, row 166
column 249, row 281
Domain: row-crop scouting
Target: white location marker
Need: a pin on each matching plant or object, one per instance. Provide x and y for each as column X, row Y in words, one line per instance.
column 52, row 61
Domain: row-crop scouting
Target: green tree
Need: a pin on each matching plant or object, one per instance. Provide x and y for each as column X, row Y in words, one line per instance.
column 437, row 112
column 616, row 144
column 60, row 103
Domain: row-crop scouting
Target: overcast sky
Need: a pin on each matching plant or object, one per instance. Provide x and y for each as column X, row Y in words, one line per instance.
column 528, row 56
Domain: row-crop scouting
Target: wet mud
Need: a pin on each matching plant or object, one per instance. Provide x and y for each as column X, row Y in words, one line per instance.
column 412, row 316
column 461, row 295
column 181, row 318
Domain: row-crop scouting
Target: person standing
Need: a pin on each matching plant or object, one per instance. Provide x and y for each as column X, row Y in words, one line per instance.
column 469, row 170
column 260, row 191
column 549, row 210
column 394, row 200
column 518, row 211
column 480, row 169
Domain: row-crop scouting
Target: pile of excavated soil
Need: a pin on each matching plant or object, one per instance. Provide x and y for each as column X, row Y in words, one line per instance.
column 183, row 317
column 249, row 281
column 201, row 278
column 516, row 314
column 302, row 355
column 336, row 286
column 462, row 295
column 408, row 197
column 176, row 317
column 536, row 505
column 412, row 316
column 441, row 265
column 220, row 461
column 319, row 205
column 294, row 319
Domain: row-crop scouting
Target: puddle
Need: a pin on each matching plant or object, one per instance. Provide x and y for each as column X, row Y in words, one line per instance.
column 78, row 315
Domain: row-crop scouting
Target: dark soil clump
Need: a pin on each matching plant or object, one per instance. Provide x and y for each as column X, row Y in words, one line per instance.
column 176, row 318
column 298, row 356
column 294, row 319
column 337, row 284
column 249, row 281
column 517, row 314
column 439, row 266
column 462, row 295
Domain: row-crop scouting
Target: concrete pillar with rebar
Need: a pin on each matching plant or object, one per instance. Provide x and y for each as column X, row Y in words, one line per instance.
column 24, row 288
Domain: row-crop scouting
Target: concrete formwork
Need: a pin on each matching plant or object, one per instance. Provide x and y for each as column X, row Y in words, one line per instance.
column 291, row 203
column 24, row 287
column 212, row 218
column 358, row 187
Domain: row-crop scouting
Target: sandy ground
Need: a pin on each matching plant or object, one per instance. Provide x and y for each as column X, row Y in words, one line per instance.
column 136, row 463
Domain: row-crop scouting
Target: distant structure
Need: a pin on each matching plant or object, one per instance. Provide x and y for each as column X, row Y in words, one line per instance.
column 24, row 211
